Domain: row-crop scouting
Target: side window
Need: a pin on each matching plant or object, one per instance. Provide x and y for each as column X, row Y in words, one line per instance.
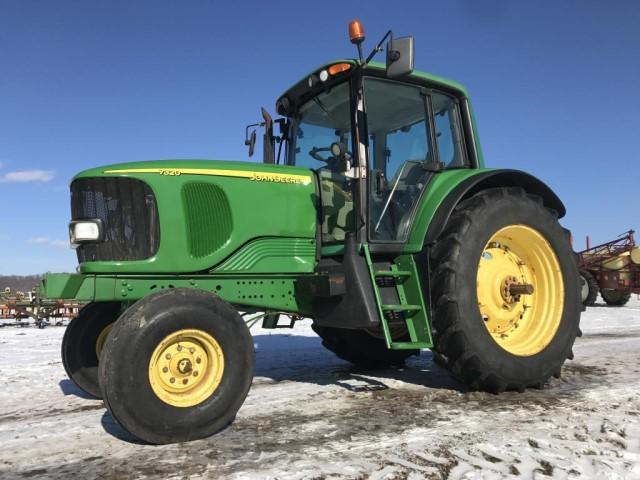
column 399, row 145
column 448, row 131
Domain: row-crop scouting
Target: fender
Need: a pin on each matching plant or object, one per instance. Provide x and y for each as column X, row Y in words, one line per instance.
column 490, row 179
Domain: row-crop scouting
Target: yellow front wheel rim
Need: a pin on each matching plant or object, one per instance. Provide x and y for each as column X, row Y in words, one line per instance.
column 523, row 324
column 186, row 368
column 102, row 337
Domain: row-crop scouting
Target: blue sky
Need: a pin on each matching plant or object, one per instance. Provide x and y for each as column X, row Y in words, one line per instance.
column 86, row 83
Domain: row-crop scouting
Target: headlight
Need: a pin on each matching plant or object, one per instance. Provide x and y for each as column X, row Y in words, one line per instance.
column 85, row 231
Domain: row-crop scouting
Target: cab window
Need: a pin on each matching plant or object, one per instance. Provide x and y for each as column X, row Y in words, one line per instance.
column 446, row 119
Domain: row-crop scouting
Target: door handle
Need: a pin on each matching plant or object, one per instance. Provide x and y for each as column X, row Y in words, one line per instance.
column 379, row 182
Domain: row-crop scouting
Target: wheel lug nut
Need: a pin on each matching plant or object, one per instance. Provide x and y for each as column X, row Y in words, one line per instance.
column 192, row 350
column 198, row 360
column 165, row 369
column 179, row 348
column 172, row 380
column 184, row 382
column 168, row 356
column 195, row 373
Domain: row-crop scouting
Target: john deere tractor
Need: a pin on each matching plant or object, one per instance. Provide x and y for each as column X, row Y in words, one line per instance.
column 372, row 214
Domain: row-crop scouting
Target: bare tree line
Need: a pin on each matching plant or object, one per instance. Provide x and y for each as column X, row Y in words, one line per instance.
column 23, row 283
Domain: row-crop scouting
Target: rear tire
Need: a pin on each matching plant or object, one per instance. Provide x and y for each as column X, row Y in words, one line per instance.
column 615, row 298
column 361, row 348
column 82, row 344
column 588, row 288
column 531, row 347
column 177, row 366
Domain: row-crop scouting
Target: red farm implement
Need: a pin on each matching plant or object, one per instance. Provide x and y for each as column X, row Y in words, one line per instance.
column 612, row 268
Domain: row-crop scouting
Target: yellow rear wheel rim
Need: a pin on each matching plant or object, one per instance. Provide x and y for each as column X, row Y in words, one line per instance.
column 523, row 325
column 102, row 337
column 186, row 368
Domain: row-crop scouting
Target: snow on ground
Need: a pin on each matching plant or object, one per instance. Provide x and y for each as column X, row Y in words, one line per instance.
column 311, row 415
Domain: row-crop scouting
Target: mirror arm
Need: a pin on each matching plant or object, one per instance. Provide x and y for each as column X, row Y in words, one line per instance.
column 378, row 48
column 268, row 143
column 284, row 127
column 246, row 131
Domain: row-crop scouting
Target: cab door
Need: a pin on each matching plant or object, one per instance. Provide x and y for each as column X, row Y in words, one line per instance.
column 413, row 132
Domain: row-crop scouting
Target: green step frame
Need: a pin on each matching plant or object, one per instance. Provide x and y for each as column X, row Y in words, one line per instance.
column 411, row 302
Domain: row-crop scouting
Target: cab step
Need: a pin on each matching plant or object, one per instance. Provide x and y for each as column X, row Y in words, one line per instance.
column 401, row 308
column 392, row 273
column 390, row 278
column 402, row 275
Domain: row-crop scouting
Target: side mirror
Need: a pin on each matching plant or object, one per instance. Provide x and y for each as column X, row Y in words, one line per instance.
column 250, row 141
column 399, row 57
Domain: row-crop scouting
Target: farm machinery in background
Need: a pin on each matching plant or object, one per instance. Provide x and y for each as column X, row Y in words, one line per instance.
column 16, row 308
column 612, row 268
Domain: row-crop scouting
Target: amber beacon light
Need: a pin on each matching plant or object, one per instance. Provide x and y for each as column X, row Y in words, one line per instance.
column 356, row 32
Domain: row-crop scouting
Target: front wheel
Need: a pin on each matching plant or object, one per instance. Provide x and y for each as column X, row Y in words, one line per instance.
column 505, row 291
column 177, row 366
column 83, row 341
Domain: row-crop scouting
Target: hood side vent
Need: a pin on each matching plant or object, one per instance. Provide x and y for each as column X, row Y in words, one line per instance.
column 207, row 216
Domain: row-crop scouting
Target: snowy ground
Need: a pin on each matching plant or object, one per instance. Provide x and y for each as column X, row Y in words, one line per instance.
column 310, row 415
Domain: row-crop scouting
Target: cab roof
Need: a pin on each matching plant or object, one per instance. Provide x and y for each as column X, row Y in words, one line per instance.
column 378, row 67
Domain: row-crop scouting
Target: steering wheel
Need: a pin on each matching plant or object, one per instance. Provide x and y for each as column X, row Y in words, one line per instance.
column 315, row 153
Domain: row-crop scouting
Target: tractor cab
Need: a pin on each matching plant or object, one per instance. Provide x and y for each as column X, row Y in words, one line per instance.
column 374, row 135
column 374, row 143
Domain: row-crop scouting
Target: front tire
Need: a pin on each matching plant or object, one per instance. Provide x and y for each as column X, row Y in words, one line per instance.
column 492, row 338
column 83, row 341
column 177, row 366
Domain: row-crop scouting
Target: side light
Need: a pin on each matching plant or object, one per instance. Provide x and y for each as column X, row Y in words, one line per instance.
column 338, row 68
column 324, row 76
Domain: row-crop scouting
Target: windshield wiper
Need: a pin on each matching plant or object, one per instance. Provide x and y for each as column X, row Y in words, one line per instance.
column 393, row 190
column 321, row 105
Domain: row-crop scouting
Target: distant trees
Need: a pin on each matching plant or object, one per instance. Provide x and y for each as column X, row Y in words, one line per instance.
column 23, row 283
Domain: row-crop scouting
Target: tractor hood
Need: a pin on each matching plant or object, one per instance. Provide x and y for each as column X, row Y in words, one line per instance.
column 197, row 216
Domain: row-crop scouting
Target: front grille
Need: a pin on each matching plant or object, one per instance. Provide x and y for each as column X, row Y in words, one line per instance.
column 127, row 208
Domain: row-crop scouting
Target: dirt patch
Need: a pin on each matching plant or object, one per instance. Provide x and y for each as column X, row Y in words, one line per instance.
column 49, row 413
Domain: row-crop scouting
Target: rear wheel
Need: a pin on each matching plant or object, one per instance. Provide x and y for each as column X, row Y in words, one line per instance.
column 361, row 347
column 177, row 366
column 615, row 298
column 83, row 341
column 505, row 292
column 588, row 288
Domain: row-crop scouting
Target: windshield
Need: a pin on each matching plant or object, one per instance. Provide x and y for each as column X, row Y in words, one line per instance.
column 320, row 122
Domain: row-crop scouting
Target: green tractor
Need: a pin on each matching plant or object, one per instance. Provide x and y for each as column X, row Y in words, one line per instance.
column 372, row 214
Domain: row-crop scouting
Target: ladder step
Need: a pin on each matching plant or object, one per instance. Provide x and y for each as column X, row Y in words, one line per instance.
column 401, row 308
column 409, row 345
column 392, row 273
